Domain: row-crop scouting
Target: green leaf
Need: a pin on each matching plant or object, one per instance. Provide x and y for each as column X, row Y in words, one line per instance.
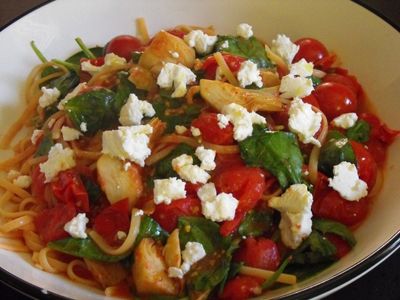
column 278, row 152
column 270, row 281
column 45, row 145
column 123, row 90
column 93, row 190
column 256, row 223
column 85, row 248
column 76, row 58
column 64, row 83
column 360, row 132
column 149, row 228
column 329, row 226
column 335, row 150
column 316, row 81
column 251, row 49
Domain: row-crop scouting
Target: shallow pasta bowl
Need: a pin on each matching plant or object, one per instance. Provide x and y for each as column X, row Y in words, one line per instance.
column 367, row 46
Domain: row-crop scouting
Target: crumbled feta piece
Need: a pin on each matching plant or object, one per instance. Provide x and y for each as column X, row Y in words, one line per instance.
column 12, row 174
column 242, row 120
column 180, row 129
column 304, row 121
column 138, row 213
column 59, row 159
column 217, row 208
column 175, row 272
column 128, row 142
column 244, row 30
column 295, row 207
column 110, row 59
column 345, row 121
column 292, row 87
column 177, row 76
column 77, row 226
column 183, row 165
column 127, row 165
column 70, row 134
column 223, row 121
column 301, row 68
column 249, row 74
column 49, row 96
column 207, row 157
column 193, row 253
column 346, row 181
column 174, row 54
column 285, row 48
column 202, row 42
column 23, row 181
column 166, row 190
column 83, row 126
column 195, row 131
column 36, row 135
column 133, row 111
column 77, row 90
column 225, row 45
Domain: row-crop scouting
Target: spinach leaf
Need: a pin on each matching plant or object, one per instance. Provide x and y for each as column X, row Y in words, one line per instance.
column 359, row 132
column 85, row 248
column 315, row 81
column 278, row 152
column 95, row 108
column 335, row 150
column 93, row 190
column 251, row 49
column 149, row 228
column 122, row 91
column 76, row 58
column 256, row 223
column 45, row 145
column 327, row 226
column 302, row 272
column 64, row 83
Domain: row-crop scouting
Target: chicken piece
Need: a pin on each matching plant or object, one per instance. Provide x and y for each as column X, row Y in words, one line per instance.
column 149, row 271
column 107, row 274
column 142, row 78
column 119, row 180
column 172, row 250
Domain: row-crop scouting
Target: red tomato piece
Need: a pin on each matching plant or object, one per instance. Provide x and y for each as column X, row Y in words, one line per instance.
column 311, row 99
column 176, row 32
column 342, row 247
column 380, row 130
column 112, row 219
column 347, row 80
column 123, row 46
column 69, row 188
column 311, row 50
column 167, row 215
column 366, row 165
column 210, row 65
column 242, row 287
column 50, row 222
column 259, row 253
column 378, row 150
column 335, row 99
column 38, row 185
column 207, row 123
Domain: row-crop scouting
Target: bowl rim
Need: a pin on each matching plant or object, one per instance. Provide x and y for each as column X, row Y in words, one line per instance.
column 360, row 268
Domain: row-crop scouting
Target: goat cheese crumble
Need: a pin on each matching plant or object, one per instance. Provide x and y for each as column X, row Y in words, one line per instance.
column 202, row 42
column 177, row 76
column 133, row 111
column 166, row 190
column 285, row 48
column 345, row 121
column 77, row 226
column 249, row 74
column 49, row 96
column 183, row 165
column 244, row 30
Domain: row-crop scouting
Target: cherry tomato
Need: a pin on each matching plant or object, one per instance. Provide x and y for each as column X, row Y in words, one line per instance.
column 112, row 219
column 366, row 165
column 335, row 99
column 379, row 130
column 210, row 65
column 311, row 50
column 241, row 287
column 38, row 185
column 377, row 149
column 342, row 247
column 176, row 32
column 259, row 253
column 347, row 80
column 50, row 222
column 167, row 215
column 69, row 188
column 211, row 132
column 123, row 46
column 311, row 99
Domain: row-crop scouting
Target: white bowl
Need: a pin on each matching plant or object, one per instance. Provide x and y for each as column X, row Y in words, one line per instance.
column 367, row 46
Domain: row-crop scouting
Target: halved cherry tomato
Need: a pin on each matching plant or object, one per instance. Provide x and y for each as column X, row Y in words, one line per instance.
column 335, row 99
column 311, row 99
column 378, row 150
column 211, row 132
column 123, row 46
column 50, row 222
column 342, row 247
column 111, row 220
column 380, row 130
column 167, row 215
column 242, row 287
column 311, row 50
column 347, row 80
column 210, row 65
column 258, row 253
column 366, row 165
column 38, row 185
column 69, row 188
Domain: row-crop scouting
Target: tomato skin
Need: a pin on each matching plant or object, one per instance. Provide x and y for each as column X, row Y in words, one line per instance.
column 259, row 253
column 123, row 46
column 50, row 222
column 176, row 32
column 207, row 123
column 38, row 185
column 241, row 287
column 347, row 80
column 311, row 99
column 379, row 130
column 335, row 99
column 167, row 215
column 311, row 50
column 210, row 64
column 342, row 247
column 366, row 165
column 112, row 219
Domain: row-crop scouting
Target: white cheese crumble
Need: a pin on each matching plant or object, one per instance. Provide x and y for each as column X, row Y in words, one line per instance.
column 23, row 181
column 128, row 142
column 133, row 111
column 217, row 208
column 70, row 134
column 242, row 120
column 304, row 121
column 36, row 135
column 49, row 96
column 59, row 159
column 183, row 165
column 225, row 45
column 179, row 129
column 110, row 59
column 345, row 121
column 346, row 181
column 195, row 131
column 174, row 54
column 292, row 87
column 295, row 207
column 77, row 226
column 301, row 68
column 177, row 76
column 127, row 165
column 193, row 253
column 223, row 121
column 175, row 272
column 285, row 48
column 166, row 190
column 207, row 157
column 202, row 42
column 244, row 30
column 77, row 90
column 249, row 74
column 83, row 127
